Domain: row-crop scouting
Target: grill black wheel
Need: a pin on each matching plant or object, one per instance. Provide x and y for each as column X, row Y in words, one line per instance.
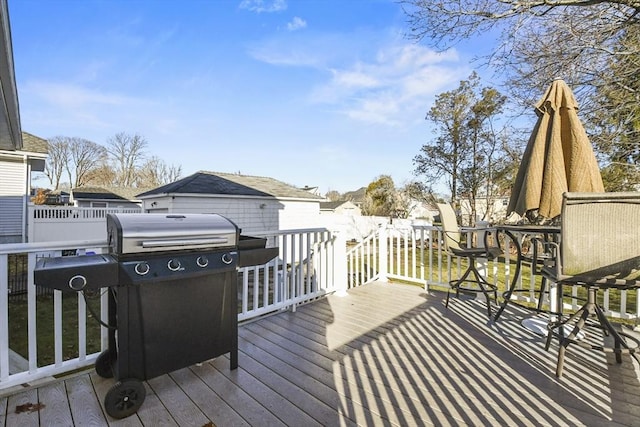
column 104, row 364
column 124, row 398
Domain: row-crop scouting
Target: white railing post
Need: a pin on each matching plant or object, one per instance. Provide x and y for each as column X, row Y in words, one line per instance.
column 340, row 274
column 482, row 263
column 382, row 254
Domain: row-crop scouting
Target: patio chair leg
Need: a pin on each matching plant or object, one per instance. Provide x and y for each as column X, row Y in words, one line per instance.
column 543, row 288
column 565, row 341
column 455, row 284
column 618, row 341
column 484, row 287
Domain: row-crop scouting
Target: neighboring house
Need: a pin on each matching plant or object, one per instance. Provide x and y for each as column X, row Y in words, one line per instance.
column 105, row 197
column 343, row 207
column 15, row 186
column 356, row 197
column 494, row 210
column 417, row 209
column 254, row 203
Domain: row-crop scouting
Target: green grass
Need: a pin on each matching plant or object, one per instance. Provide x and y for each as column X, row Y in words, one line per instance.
column 18, row 329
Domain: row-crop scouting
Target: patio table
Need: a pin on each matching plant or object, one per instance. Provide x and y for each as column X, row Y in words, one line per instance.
column 548, row 233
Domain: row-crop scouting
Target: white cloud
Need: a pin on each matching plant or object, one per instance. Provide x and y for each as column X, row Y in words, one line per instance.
column 355, row 79
column 73, row 96
column 70, row 108
column 296, row 24
column 288, row 54
column 385, row 80
column 393, row 87
column 260, row 6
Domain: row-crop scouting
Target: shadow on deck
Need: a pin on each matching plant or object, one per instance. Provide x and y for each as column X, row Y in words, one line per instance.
column 383, row 355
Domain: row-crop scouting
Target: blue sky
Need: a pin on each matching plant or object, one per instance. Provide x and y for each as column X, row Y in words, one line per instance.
column 327, row 93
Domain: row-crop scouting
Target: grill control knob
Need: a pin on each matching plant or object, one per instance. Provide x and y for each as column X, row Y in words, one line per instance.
column 141, row 268
column 227, row 258
column 78, row 282
column 202, row 261
column 173, row 265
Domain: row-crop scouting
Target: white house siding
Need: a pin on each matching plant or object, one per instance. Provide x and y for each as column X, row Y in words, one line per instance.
column 11, row 219
column 12, row 194
column 251, row 214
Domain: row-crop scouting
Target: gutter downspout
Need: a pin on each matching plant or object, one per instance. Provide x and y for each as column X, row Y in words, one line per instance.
column 25, row 199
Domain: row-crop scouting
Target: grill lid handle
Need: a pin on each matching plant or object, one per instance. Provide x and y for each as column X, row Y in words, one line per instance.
column 185, row 242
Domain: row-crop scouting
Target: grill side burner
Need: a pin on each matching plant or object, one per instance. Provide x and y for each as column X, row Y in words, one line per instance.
column 172, row 283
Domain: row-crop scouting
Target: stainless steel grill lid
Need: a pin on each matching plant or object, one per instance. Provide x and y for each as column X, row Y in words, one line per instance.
column 143, row 233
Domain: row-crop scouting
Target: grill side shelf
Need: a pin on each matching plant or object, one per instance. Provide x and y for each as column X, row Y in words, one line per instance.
column 252, row 257
column 253, row 252
column 76, row 273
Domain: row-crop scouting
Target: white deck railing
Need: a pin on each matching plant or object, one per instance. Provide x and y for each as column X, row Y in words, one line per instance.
column 416, row 255
column 311, row 264
column 307, row 268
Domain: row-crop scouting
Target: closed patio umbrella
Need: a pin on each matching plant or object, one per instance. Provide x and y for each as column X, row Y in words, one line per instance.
column 558, row 157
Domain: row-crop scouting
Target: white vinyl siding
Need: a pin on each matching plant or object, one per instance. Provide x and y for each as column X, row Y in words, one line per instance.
column 12, row 193
column 251, row 214
column 13, row 178
column 11, row 218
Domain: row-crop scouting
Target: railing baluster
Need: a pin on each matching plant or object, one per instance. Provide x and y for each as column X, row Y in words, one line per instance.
column 4, row 317
column 31, row 315
column 57, row 326
column 82, row 328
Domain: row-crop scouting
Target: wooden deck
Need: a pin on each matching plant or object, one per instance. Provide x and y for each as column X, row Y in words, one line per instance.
column 383, row 355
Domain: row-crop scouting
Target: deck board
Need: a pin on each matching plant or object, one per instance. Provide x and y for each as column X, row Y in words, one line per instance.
column 388, row 355
column 57, row 412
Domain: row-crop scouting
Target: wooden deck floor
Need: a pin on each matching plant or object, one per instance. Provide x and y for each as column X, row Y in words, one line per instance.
column 383, row 355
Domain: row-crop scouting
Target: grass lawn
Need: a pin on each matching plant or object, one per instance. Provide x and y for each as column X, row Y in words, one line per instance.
column 18, row 334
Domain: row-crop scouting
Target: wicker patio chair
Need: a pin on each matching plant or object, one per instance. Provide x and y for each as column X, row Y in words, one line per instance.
column 599, row 249
column 471, row 281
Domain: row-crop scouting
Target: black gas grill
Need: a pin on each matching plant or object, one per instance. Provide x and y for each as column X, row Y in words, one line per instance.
column 172, row 282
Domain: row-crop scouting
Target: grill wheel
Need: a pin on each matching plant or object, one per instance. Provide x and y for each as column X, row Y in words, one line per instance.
column 104, row 364
column 124, row 398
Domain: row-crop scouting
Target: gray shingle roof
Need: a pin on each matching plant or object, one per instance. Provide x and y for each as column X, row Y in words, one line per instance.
column 356, row 196
column 34, row 144
column 106, row 193
column 204, row 182
column 332, row 205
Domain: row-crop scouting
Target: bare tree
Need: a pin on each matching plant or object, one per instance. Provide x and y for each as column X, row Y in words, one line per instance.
column 84, row 156
column 540, row 39
column 102, row 175
column 592, row 44
column 333, row 196
column 126, row 153
column 156, row 172
column 447, row 22
column 57, row 160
